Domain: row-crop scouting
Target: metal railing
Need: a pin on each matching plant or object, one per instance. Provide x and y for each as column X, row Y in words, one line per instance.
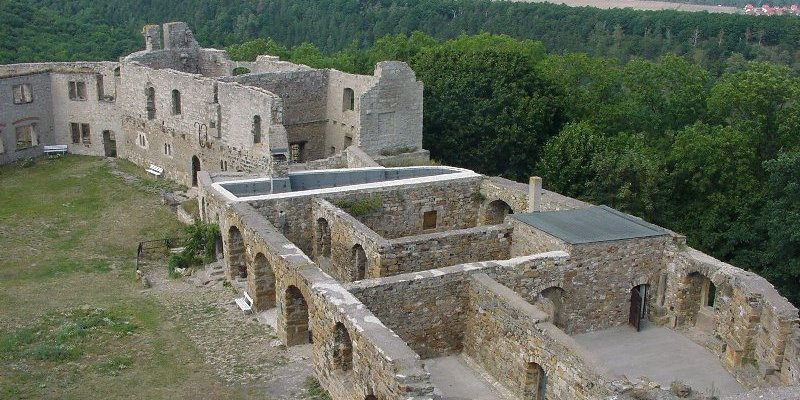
column 149, row 245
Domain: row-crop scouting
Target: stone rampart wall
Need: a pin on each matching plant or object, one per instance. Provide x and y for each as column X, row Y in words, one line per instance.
column 754, row 325
column 529, row 240
column 382, row 365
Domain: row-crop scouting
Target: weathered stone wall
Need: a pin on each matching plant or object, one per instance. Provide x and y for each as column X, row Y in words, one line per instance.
column 515, row 194
column 382, row 365
column 99, row 109
column 505, row 335
column 426, row 309
column 215, row 123
column 344, row 124
column 38, row 112
column 529, row 240
column 442, row 249
column 403, row 208
column 391, row 111
column 752, row 323
column 304, row 94
column 345, row 233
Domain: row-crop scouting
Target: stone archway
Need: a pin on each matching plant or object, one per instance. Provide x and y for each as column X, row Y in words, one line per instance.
column 551, row 300
column 263, row 283
column 535, row 382
column 235, row 247
column 360, row 262
column 295, row 315
column 323, row 239
column 496, row 212
column 699, row 302
column 342, row 348
column 195, row 169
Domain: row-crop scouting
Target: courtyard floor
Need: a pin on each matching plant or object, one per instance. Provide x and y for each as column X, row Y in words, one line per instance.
column 455, row 380
column 662, row 355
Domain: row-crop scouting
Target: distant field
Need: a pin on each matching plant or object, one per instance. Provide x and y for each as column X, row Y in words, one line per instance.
column 639, row 5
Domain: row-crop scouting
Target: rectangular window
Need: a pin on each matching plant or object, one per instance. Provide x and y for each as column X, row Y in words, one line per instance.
column 22, row 94
column 75, row 129
column 85, row 134
column 77, row 90
column 80, row 133
column 26, row 136
column 429, row 220
column 296, row 152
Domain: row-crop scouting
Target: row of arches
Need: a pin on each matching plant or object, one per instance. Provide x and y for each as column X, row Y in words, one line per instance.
column 262, row 282
column 358, row 255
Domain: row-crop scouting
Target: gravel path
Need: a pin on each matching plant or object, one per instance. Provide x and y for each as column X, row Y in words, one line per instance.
column 243, row 349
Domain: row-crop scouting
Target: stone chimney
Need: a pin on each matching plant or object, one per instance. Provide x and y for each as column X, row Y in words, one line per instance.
column 535, row 194
column 152, row 37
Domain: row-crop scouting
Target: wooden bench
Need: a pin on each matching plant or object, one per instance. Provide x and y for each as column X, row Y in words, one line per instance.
column 55, row 149
column 245, row 303
column 155, row 170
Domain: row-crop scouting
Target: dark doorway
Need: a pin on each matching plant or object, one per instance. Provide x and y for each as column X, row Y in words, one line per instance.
column 638, row 306
column 109, row 144
column 195, row 169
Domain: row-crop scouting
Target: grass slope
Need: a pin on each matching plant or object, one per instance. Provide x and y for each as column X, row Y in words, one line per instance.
column 74, row 324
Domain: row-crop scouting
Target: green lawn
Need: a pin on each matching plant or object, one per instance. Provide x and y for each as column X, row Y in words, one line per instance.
column 74, row 323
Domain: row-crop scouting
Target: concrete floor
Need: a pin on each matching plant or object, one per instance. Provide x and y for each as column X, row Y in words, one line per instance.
column 455, row 380
column 662, row 355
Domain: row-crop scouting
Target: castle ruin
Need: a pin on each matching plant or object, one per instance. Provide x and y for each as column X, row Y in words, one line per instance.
column 388, row 272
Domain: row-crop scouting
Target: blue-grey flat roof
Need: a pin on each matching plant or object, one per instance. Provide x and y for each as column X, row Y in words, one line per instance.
column 590, row 225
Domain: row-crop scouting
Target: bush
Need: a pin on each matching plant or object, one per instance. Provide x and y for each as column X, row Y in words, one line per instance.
column 361, row 207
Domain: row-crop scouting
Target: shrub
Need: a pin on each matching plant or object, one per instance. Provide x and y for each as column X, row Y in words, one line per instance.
column 361, row 207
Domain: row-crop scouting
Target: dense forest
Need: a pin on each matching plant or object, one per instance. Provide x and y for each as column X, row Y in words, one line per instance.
column 87, row 29
column 686, row 119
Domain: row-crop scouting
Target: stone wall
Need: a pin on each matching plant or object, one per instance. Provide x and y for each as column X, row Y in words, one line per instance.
column 37, row 113
column 304, row 94
column 391, row 111
column 98, row 109
column 750, row 324
column 382, row 365
column 345, row 233
column 52, row 111
column 426, row 309
column 441, row 249
column 515, row 194
column 215, row 123
column 509, row 338
column 529, row 240
column 455, row 203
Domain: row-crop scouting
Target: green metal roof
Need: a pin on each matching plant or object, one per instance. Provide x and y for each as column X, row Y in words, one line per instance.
column 590, row 225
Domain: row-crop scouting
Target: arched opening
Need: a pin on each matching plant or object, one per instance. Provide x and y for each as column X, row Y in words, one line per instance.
column 195, row 169
column 342, row 348
column 150, row 104
column 257, row 129
column 535, row 382
column 348, row 100
column 360, row 260
column 323, row 238
column 236, row 261
column 496, row 212
column 700, row 299
column 264, row 282
column 176, row 102
column 296, row 317
column 551, row 300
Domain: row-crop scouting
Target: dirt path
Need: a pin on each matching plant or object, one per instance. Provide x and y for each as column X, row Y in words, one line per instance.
column 243, row 349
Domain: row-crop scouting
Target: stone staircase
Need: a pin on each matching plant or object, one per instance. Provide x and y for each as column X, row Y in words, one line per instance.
column 213, row 274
